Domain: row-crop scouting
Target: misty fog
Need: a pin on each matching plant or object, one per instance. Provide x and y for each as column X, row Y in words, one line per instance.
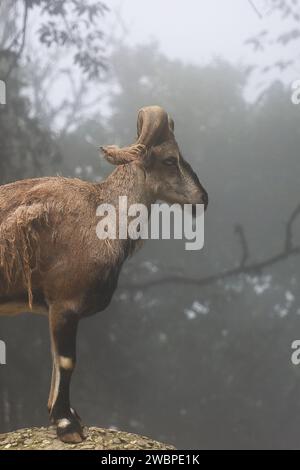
column 202, row 361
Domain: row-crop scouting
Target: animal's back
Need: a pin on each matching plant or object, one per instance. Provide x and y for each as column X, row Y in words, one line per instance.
column 26, row 192
column 27, row 208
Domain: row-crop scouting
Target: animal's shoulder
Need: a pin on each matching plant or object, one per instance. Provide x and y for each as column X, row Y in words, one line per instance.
column 46, row 185
column 59, row 193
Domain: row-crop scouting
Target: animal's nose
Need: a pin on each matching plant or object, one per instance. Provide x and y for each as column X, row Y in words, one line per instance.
column 205, row 199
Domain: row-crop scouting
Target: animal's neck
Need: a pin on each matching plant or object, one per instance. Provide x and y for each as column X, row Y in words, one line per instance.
column 130, row 181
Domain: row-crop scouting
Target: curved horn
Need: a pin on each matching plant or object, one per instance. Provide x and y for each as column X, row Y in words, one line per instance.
column 152, row 125
column 171, row 123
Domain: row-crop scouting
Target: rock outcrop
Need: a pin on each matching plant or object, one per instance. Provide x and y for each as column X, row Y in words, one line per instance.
column 96, row 439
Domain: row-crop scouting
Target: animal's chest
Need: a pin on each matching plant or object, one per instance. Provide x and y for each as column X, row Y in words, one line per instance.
column 100, row 293
column 105, row 279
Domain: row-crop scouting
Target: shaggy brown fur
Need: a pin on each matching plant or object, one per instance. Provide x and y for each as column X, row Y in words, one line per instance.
column 20, row 246
column 50, row 256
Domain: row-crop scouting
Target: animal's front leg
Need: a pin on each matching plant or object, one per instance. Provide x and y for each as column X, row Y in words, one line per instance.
column 63, row 330
column 51, row 393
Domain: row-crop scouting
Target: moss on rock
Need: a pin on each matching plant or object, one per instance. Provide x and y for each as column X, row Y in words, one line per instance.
column 96, row 439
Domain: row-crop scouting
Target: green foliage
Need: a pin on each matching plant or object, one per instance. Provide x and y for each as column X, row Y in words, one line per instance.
column 289, row 11
column 71, row 24
column 26, row 149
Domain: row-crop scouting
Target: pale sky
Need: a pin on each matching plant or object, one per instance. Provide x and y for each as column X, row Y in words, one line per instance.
column 197, row 30
column 193, row 31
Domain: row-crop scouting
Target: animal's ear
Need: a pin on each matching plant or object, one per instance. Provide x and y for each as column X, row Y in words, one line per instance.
column 171, row 123
column 154, row 126
column 121, row 156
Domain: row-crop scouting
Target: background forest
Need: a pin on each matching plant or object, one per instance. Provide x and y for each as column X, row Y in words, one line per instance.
column 195, row 348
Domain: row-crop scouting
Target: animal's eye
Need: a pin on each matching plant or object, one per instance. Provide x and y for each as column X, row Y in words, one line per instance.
column 170, row 161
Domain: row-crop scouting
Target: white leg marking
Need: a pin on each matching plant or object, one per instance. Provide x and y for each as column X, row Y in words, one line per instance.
column 56, row 384
column 66, row 363
column 63, row 423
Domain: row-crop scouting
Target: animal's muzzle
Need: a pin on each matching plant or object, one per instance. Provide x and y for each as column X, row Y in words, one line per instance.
column 205, row 199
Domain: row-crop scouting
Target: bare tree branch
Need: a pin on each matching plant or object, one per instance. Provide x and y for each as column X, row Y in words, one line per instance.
column 22, row 45
column 289, row 229
column 254, row 268
column 244, row 245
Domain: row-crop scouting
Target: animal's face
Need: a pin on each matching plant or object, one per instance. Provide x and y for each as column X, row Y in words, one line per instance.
column 172, row 178
column 168, row 175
